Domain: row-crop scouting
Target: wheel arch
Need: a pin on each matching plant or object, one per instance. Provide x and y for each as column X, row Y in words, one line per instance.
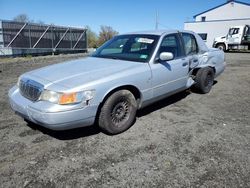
column 222, row 43
column 194, row 72
column 133, row 89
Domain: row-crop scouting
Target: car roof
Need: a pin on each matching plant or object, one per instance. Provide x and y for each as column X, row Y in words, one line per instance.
column 156, row 32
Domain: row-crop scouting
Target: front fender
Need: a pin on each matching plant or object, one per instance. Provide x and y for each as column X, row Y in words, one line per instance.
column 121, row 85
column 140, row 80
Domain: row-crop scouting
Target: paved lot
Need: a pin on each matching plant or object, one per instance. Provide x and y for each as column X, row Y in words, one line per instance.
column 187, row 140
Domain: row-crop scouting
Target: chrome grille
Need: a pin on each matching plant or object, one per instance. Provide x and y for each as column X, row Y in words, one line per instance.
column 30, row 89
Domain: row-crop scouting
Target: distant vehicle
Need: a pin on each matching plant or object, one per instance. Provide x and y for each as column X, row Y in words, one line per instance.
column 127, row 73
column 238, row 38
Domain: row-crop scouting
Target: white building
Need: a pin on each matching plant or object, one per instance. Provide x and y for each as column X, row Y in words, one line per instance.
column 216, row 21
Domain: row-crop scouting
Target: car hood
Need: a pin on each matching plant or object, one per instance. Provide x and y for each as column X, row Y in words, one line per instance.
column 72, row 73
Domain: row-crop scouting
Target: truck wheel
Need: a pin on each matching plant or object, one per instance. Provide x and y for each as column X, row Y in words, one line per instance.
column 221, row 47
column 118, row 112
column 204, row 80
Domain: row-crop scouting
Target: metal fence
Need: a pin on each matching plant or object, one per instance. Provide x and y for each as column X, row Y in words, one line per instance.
column 18, row 35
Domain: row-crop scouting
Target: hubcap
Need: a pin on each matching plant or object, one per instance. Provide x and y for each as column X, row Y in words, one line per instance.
column 120, row 113
column 221, row 48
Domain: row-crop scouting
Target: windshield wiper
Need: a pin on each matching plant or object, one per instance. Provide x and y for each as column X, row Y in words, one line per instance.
column 113, row 57
column 108, row 57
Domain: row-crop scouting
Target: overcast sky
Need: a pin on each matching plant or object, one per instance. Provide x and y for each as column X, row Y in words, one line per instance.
column 122, row 15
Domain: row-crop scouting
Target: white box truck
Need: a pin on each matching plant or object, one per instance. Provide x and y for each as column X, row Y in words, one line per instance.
column 238, row 38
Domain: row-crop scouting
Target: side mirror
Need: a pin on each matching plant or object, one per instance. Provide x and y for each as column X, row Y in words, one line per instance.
column 166, row 56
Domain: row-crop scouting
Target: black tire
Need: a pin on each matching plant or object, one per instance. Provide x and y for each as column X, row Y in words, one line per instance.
column 221, row 47
column 204, row 80
column 118, row 112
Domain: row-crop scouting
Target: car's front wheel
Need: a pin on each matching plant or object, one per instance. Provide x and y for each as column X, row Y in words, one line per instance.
column 118, row 112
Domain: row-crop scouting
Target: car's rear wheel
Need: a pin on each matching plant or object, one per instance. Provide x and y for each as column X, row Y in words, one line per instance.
column 118, row 112
column 204, row 80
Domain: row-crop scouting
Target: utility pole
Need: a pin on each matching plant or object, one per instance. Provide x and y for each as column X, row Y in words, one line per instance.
column 156, row 21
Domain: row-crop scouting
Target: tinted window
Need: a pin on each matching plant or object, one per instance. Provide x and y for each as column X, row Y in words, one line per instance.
column 134, row 47
column 236, row 31
column 190, row 44
column 171, row 44
column 233, row 31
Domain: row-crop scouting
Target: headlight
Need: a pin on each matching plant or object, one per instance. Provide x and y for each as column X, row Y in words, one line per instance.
column 50, row 96
column 67, row 98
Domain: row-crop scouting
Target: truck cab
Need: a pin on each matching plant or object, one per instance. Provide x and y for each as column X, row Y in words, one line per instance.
column 238, row 38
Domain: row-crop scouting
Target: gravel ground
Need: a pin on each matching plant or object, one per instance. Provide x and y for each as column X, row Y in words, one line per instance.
column 187, row 140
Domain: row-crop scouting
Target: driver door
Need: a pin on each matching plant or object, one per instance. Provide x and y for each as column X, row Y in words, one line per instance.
column 234, row 36
column 170, row 76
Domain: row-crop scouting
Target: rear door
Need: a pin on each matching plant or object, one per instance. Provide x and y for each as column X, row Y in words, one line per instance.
column 191, row 49
column 169, row 76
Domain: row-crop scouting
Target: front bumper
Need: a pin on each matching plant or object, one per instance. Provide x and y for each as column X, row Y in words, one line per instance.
column 49, row 116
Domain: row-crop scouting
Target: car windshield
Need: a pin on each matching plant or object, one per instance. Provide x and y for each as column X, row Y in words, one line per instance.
column 134, row 47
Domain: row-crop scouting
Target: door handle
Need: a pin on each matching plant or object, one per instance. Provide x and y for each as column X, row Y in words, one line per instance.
column 185, row 64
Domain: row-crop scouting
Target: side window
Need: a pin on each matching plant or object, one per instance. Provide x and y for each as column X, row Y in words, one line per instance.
column 171, row 43
column 233, row 31
column 190, row 44
column 236, row 31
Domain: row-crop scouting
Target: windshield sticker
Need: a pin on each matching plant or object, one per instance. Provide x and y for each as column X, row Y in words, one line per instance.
column 143, row 56
column 145, row 40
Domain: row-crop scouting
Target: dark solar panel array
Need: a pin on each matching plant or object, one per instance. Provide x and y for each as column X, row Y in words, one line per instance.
column 30, row 35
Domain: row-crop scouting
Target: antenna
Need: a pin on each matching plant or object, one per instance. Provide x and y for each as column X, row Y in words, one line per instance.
column 156, row 21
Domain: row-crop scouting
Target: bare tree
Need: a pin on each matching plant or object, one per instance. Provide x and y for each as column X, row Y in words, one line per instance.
column 25, row 18
column 106, row 34
column 21, row 18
